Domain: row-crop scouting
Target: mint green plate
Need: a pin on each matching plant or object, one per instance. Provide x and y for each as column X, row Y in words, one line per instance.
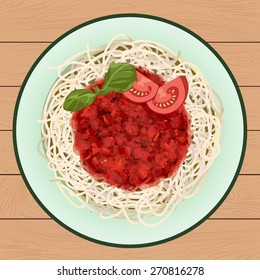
column 189, row 213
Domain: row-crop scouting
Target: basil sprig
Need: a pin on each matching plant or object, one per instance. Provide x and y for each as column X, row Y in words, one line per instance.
column 79, row 99
column 119, row 78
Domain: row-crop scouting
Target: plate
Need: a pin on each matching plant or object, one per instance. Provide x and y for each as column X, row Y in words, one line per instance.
column 118, row 232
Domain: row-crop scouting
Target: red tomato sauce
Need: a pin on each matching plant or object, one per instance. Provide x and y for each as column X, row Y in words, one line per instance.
column 126, row 144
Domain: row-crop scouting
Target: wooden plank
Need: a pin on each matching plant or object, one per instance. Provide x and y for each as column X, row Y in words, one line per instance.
column 23, row 55
column 243, row 60
column 8, row 163
column 251, row 163
column 243, row 201
column 16, row 201
column 46, row 20
column 8, row 98
column 243, row 64
column 250, row 95
column 47, row 240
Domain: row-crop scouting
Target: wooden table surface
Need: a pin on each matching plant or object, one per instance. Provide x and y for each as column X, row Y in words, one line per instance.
column 231, row 27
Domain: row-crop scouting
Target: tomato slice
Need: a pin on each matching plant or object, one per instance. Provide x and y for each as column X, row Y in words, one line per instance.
column 170, row 96
column 143, row 89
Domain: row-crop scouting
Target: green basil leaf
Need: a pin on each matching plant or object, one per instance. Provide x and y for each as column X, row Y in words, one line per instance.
column 79, row 99
column 119, row 78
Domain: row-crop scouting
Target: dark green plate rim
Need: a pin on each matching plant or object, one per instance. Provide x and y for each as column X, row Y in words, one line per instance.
column 122, row 16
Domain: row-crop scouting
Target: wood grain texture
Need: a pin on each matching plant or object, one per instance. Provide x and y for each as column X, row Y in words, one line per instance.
column 251, row 163
column 232, row 27
column 251, row 97
column 17, row 202
column 243, row 200
column 211, row 240
column 18, row 59
column 243, row 60
column 8, row 98
column 47, row 20
column 8, row 163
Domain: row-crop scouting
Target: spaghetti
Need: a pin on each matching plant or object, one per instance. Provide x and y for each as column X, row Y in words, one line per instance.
column 149, row 206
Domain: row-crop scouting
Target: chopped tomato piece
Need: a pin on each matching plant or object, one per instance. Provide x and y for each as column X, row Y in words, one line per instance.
column 127, row 145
